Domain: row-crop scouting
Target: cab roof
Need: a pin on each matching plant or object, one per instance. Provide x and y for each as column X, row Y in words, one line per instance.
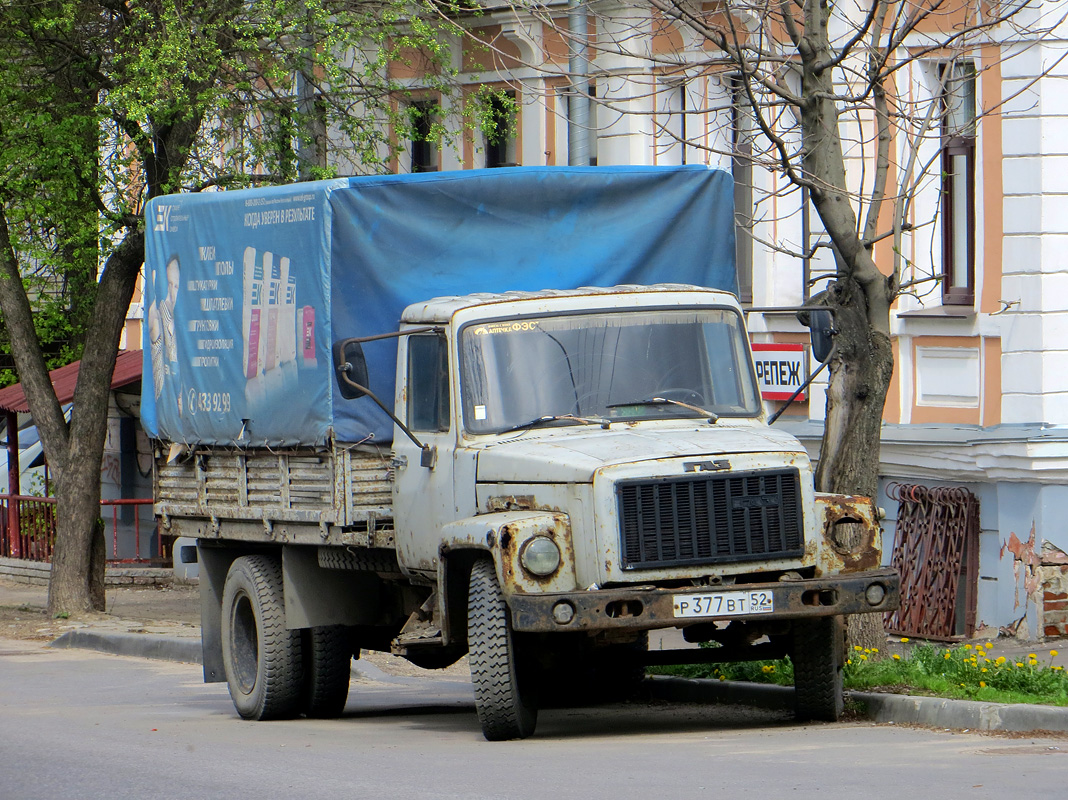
column 442, row 309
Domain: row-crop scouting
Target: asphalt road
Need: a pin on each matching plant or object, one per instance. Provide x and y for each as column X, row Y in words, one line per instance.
column 89, row 725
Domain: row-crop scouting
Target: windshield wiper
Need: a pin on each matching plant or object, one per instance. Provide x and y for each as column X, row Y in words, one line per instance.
column 604, row 423
column 664, row 401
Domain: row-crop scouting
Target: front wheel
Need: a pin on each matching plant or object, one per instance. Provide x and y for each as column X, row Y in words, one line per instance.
column 261, row 658
column 498, row 670
column 817, row 651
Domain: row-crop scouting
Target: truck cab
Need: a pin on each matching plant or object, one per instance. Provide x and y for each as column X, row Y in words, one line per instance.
column 574, row 469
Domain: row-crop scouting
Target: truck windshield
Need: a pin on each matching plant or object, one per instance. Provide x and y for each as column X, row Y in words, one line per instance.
column 605, row 365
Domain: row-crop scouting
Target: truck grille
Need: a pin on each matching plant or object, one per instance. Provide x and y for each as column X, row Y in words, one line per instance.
column 709, row 519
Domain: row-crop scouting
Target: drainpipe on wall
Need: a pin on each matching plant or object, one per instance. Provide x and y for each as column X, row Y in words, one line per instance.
column 578, row 115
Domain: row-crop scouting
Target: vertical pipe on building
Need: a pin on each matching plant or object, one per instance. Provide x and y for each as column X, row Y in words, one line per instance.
column 578, row 107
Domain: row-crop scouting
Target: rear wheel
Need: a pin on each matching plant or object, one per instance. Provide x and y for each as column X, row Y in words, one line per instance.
column 261, row 658
column 498, row 669
column 817, row 651
column 327, row 666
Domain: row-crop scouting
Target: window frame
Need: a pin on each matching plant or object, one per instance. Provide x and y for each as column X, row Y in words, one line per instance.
column 958, row 141
column 415, row 380
column 497, row 145
column 424, row 152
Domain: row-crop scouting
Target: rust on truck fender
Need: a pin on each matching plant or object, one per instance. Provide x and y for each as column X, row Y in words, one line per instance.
column 849, row 525
column 515, row 535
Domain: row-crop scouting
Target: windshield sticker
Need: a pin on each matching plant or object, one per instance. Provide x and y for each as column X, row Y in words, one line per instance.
column 507, row 327
column 480, row 412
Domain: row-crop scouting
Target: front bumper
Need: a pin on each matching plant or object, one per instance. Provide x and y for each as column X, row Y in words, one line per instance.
column 647, row 608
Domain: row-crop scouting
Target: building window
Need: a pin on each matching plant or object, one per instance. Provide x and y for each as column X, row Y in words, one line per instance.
column 742, row 170
column 428, row 383
column 957, row 80
column 424, row 144
column 501, row 140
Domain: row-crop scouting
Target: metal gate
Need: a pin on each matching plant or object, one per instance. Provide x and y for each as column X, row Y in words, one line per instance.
column 936, row 552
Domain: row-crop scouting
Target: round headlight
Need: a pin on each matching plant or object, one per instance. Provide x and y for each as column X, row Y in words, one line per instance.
column 540, row 556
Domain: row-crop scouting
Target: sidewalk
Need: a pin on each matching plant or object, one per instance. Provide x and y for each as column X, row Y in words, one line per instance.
column 165, row 623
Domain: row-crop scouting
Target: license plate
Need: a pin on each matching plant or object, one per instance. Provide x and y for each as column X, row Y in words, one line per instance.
column 724, row 604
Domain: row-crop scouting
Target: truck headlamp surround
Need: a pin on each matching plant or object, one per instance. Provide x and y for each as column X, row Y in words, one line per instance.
column 540, row 556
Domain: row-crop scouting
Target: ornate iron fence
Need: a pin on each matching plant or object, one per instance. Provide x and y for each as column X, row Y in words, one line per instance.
column 936, row 551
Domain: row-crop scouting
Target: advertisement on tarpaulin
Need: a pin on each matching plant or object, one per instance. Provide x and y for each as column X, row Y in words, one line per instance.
column 248, row 289
column 231, row 315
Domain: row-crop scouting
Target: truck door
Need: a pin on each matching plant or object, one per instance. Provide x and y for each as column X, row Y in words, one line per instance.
column 423, row 496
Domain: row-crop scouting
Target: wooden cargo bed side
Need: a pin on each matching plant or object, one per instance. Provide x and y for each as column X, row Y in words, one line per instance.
column 339, row 487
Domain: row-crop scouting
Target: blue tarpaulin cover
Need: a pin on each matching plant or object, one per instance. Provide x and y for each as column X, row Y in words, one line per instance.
column 246, row 290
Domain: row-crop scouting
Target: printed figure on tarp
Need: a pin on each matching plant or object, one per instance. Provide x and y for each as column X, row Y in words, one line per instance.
column 163, row 342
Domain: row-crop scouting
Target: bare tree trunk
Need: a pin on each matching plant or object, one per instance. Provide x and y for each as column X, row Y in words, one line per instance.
column 78, row 491
column 861, row 369
column 97, row 568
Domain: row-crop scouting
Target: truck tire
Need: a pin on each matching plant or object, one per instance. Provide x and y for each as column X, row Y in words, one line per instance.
column 817, row 652
column 498, row 670
column 261, row 658
column 327, row 666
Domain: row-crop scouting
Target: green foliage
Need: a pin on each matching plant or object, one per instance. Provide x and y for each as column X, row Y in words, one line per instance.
column 104, row 104
column 966, row 672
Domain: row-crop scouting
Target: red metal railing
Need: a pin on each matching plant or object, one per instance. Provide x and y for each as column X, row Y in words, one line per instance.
column 32, row 536
column 137, row 505
column 936, row 552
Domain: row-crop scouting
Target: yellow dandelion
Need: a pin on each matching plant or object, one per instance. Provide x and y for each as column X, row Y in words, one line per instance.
column 849, row 661
column 867, row 649
column 982, row 684
column 1019, row 663
column 897, row 657
column 863, row 657
column 946, row 656
column 904, row 638
column 1031, row 655
column 875, row 649
column 858, row 648
column 967, row 647
column 983, row 669
column 988, row 646
column 723, row 677
column 999, row 660
column 1053, row 653
column 962, row 685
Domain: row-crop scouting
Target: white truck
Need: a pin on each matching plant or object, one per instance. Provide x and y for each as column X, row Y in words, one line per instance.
column 570, row 470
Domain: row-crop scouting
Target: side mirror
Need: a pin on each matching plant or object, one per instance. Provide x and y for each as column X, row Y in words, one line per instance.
column 821, row 331
column 350, row 369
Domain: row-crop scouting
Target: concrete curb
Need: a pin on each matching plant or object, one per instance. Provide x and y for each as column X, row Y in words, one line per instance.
column 187, row 651
column 936, row 712
column 166, row 648
column 939, row 712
